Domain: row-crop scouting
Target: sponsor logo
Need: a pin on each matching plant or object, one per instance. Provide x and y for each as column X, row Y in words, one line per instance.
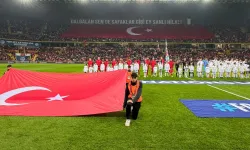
column 219, row 108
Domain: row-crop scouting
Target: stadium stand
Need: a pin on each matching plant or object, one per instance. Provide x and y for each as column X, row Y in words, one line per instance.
column 45, row 31
column 117, row 51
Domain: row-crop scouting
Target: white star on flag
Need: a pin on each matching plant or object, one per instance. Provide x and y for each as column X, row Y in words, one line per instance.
column 58, row 97
column 149, row 30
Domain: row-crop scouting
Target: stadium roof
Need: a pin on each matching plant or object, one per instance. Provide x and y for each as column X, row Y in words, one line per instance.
column 137, row 1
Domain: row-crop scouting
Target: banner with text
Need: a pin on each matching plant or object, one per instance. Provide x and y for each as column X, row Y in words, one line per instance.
column 128, row 22
column 22, row 57
column 20, row 43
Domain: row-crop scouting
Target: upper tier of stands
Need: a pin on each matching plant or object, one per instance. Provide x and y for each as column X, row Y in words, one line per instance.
column 44, row 31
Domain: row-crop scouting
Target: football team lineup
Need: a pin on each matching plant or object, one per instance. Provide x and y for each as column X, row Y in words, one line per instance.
column 162, row 114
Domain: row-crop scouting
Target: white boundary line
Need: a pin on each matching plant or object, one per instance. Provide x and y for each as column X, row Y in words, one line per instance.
column 229, row 92
column 225, row 91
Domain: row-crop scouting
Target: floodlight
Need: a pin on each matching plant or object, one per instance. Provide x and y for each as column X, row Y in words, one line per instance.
column 25, row 1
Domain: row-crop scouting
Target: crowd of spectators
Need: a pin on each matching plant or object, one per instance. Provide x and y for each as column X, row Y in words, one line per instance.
column 117, row 51
column 47, row 31
column 4, row 54
column 44, row 31
column 81, row 54
column 35, row 30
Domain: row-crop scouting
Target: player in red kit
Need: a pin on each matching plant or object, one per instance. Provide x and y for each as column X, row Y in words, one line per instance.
column 98, row 62
column 162, row 60
column 129, row 62
column 171, row 64
column 90, row 62
column 147, row 61
column 153, row 63
column 106, row 63
column 113, row 63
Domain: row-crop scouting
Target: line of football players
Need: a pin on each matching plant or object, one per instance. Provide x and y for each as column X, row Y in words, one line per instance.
column 156, row 70
column 236, row 69
column 221, row 69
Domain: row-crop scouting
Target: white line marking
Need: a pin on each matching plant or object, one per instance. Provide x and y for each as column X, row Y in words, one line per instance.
column 228, row 92
column 225, row 91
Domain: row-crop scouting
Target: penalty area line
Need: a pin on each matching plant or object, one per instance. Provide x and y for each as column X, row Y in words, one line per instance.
column 225, row 91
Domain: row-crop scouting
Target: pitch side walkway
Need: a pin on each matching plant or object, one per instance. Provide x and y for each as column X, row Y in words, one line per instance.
column 196, row 82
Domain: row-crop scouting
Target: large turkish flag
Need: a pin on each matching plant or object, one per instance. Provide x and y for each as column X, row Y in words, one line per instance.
column 138, row 32
column 28, row 93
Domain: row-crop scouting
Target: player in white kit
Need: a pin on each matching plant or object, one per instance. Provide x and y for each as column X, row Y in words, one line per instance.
column 115, row 67
column 167, row 68
column 180, row 71
column 136, row 67
column 160, row 66
column 132, row 67
column 95, row 67
column 207, row 69
column 155, row 69
column 228, row 70
column 214, row 71
column 242, row 70
column 246, row 65
column 102, row 67
column 191, row 70
column 111, row 68
column 145, row 69
column 199, row 68
column 120, row 65
column 91, row 69
column 126, row 66
column 108, row 68
column 186, row 70
column 85, row 68
column 235, row 70
column 221, row 70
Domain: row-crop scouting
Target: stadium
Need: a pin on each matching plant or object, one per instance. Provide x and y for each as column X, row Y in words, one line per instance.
column 73, row 72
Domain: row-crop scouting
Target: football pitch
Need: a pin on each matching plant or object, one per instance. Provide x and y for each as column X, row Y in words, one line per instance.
column 163, row 122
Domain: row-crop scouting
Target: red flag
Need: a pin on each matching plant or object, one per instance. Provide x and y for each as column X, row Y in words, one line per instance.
column 28, row 93
column 138, row 32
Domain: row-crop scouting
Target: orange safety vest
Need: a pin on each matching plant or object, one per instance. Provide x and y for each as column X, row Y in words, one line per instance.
column 129, row 77
column 133, row 90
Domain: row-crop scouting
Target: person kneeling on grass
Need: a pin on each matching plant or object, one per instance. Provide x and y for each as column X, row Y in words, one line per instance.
column 8, row 68
column 134, row 99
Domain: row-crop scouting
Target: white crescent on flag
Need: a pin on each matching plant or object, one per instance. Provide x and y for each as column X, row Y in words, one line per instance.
column 7, row 95
column 129, row 31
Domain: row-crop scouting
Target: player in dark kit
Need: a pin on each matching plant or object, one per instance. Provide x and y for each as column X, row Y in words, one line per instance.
column 8, row 68
column 177, row 64
column 134, row 99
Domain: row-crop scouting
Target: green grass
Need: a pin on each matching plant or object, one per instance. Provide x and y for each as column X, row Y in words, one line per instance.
column 163, row 123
